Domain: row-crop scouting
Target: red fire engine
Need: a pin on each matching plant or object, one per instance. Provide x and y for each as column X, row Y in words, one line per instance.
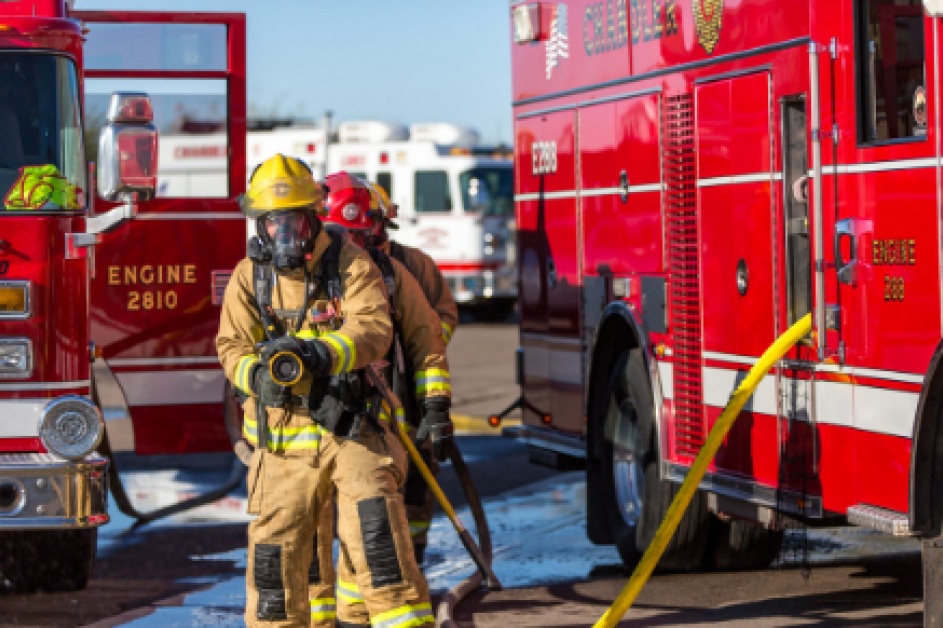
column 107, row 313
column 692, row 177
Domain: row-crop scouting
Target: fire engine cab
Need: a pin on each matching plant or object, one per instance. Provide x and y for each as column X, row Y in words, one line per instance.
column 455, row 195
column 692, row 177
column 108, row 310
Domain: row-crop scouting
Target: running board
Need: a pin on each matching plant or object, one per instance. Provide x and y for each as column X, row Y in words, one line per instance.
column 785, row 501
column 545, row 438
column 880, row 519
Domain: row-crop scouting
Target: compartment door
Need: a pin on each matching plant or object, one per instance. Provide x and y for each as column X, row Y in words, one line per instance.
column 550, row 270
column 159, row 279
column 735, row 181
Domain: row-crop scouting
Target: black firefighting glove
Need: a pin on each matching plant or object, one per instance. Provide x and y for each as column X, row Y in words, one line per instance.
column 436, row 423
column 264, row 387
column 312, row 353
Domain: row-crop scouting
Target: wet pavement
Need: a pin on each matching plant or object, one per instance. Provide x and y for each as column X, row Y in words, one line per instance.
column 543, row 556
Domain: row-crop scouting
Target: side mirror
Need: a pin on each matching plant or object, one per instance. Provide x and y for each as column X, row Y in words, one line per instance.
column 127, row 150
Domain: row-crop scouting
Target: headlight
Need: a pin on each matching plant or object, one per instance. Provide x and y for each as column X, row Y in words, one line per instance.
column 16, row 357
column 71, row 427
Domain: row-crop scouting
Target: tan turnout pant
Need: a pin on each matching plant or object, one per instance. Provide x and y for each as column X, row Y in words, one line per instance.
column 289, row 495
column 351, row 610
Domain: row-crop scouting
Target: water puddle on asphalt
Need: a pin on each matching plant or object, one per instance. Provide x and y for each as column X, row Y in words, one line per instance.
column 538, row 533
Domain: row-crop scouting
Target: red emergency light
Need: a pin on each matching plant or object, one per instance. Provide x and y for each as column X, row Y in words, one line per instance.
column 384, row 158
column 311, row 147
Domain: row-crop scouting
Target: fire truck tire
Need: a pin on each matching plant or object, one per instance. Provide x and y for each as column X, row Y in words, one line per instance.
column 53, row 560
column 636, row 499
column 741, row 545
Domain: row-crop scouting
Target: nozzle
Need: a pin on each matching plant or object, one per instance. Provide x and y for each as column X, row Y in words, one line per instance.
column 286, row 368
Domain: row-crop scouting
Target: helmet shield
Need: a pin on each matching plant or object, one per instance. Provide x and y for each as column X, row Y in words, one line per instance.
column 289, row 234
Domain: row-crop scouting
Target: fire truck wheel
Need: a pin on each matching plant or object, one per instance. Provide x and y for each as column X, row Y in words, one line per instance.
column 741, row 545
column 54, row 560
column 636, row 500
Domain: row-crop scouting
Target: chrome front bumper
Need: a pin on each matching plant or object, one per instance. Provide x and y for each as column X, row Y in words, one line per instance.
column 43, row 491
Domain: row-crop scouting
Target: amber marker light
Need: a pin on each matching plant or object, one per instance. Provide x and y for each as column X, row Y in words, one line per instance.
column 547, row 419
column 660, row 350
column 494, row 420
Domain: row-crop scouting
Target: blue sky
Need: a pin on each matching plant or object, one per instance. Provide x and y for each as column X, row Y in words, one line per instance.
column 395, row 60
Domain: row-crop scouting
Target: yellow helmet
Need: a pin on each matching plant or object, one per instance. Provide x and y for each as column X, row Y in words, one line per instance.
column 388, row 208
column 280, row 183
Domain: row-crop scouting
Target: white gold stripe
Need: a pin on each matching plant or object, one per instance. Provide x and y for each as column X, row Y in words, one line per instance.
column 880, row 166
column 719, row 384
column 760, row 177
column 885, row 411
column 547, row 196
column 163, row 361
column 172, row 388
column 15, row 387
column 19, row 418
column 190, row 216
column 893, row 376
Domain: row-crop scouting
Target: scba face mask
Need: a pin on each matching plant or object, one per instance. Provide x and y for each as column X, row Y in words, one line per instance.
column 289, row 237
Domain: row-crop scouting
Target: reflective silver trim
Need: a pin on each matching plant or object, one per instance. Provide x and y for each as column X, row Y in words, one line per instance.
column 166, row 361
column 28, row 309
column 630, row 316
column 818, row 266
column 190, row 216
column 760, row 177
column 750, row 491
column 30, row 386
column 57, row 493
column 109, row 396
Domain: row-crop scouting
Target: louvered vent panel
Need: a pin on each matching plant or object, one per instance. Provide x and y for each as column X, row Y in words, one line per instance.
column 684, row 295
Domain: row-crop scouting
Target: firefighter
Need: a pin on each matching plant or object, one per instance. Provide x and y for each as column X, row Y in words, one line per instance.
column 420, row 502
column 418, row 368
column 319, row 301
column 416, row 262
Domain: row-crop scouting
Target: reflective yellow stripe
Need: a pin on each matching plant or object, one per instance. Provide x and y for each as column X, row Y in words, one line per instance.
column 385, row 413
column 243, row 371
column 418, row 527
column 304, row 438
column 349, row 593
column 433, row 380
column 324, row 608
column 305, row 334
column 446, row 333
column 404, row 617
column 346, row 352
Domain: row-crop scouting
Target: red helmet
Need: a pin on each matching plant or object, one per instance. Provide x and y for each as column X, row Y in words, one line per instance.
column 350, row 202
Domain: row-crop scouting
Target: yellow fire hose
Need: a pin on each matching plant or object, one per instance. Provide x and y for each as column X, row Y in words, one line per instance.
column 680, row 503
column 491, row 581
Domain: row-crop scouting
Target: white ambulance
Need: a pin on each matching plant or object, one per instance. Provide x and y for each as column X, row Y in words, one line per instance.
column 455, row 197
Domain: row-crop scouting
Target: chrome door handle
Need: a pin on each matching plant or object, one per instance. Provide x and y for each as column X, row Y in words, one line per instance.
column 847, row 271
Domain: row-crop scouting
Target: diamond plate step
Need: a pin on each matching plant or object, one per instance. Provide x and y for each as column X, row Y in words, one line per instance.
column 880, row 519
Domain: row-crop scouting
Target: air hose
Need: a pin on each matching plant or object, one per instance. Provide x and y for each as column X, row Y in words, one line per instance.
column 236, row 474
column 693, row 479
column 459, row 592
